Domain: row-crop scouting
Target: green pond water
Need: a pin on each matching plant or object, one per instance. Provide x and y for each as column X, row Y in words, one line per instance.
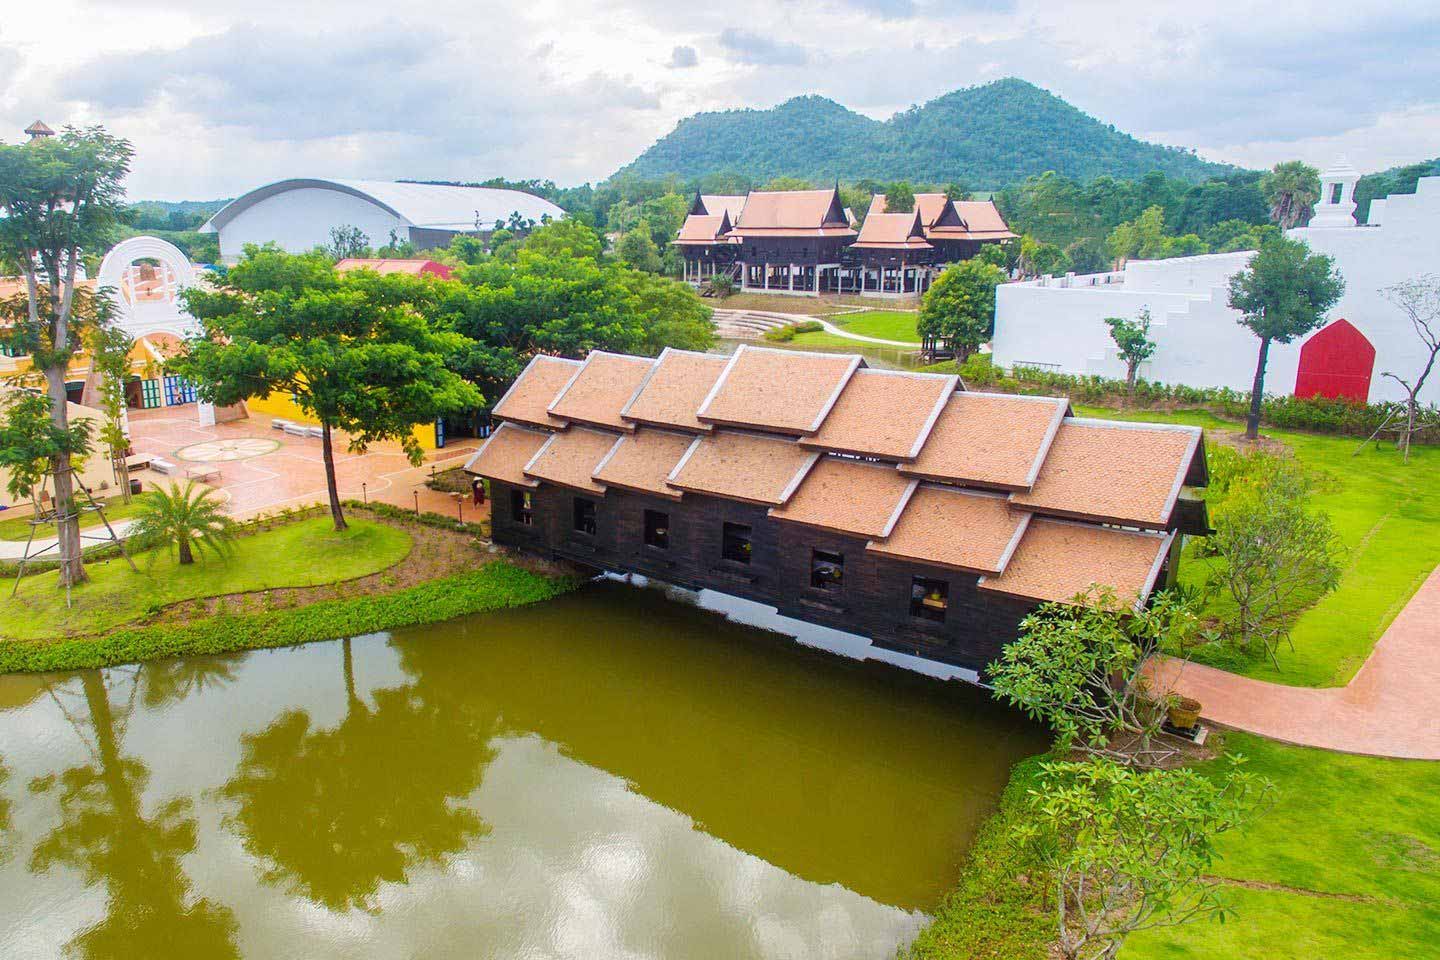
column 612, row 774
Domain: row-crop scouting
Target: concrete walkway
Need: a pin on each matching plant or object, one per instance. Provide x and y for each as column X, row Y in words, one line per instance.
column 15, row 549
column 1390, row 709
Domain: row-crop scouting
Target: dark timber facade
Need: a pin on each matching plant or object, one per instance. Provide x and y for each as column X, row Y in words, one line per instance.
column 882, row 504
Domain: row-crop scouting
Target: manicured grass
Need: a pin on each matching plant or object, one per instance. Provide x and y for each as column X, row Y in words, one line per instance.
column 1346, row 864
column 1387, row 515
column 16, row 526
column 305, row 553
column 885, row 324
column 496, row 585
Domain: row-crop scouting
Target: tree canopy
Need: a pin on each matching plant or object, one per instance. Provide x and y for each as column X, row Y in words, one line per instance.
column 960, row 305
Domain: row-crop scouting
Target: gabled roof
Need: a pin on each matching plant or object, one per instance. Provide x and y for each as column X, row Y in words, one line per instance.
column 504, row 454
column 1057, row 559
column 529, row 397
column 743, row 466
column 795, row 213
column 1113, row 471
column 641, row 461
column 911, row 403
column 892, row 231
column 571, row 457
column 849, row 496
column 417, row 204
column 699, row 230
column 600, row 388
column 713, row 204
column 39, row 129
column 970, row 220
column 675, row 388
column 968, row 530
column 990, row 439
column 789, row 391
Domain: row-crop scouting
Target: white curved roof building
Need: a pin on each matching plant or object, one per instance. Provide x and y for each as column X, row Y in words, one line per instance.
column 299, row 214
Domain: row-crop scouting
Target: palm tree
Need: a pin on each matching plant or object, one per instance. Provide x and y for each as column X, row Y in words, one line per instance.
column 1291, row 189
column 188, row 518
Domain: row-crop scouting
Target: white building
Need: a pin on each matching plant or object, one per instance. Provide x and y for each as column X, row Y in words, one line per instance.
column 1059, row 323
column 298, row 215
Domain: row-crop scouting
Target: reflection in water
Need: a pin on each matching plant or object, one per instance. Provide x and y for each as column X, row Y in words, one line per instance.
column 375, row 794
column 607, row 775
column 105, row 834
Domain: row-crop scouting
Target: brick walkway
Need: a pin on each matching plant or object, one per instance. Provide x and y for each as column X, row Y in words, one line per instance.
column 293, row 474
column 1390, row 709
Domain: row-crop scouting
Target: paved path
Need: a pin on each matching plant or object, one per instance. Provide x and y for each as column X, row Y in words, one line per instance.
column 1390, row 709
column 15, row 549
column 842, row 332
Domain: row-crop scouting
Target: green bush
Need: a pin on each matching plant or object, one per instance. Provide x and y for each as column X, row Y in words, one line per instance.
column 808, row 326
column 780, row 334
column 425, row 519
column 496, row 585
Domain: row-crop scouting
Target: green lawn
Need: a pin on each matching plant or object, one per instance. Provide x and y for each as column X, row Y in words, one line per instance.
column 1346, row 864
column 300, row 554
column 17, row 526
column 885, row 324
column 1388, row 516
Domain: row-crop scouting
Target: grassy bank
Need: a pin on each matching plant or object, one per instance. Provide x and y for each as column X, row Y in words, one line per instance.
column 496, row 585
column 16, row 526
column 304, row 553
column 1388, row 517
column 1346, row 864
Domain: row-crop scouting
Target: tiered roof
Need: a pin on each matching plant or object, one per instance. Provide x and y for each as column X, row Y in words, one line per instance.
column 793, row 213
column 1006, row 487
column 892, row 231
column 944, row 219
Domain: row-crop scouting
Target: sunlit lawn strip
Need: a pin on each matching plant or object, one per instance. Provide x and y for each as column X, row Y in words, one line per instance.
column 496, row 585
column 1388, row 516
column 885, row 324
column 16, row 525
column 305, row 553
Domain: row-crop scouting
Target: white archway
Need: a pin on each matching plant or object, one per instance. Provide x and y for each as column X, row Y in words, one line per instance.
column 147, row 296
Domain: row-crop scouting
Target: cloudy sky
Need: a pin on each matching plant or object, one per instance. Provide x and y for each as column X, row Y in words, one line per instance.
column 221, row 97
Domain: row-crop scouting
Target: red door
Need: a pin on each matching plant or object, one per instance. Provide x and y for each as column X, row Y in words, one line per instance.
column 1336, row 362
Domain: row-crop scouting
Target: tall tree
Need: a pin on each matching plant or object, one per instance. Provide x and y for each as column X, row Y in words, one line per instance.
column 1283, row 293
column 1132, row 341
column 61, row 197
column 1291, row 190
column 1419, row 300
column 900, row 198
column 352, row 349
column 960, row 306
column 110, row 356
column 638, row 250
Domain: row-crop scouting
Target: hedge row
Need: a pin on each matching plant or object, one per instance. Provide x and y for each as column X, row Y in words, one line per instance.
column 1317, row 414
column 787, row 333
column 425, row 519
column 496, row 585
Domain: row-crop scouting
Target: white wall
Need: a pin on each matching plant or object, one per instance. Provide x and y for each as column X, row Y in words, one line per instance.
column 1061, row 321
column 301, row 219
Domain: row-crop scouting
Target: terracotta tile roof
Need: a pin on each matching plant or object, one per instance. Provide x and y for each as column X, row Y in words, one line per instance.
column 699, row 229
column 789, row 391
column 799, row 213
column 642, row 461
column 978, row 220
column 892, row 231
column 884, row 413
column 849, row 496
column 504, row 454
column 675, row 388
column 928, row 205
column 570, row 457
column 990, row 439
column 1124, row 472
column 529, row 397
column 1057, row 559
column 718, row 203
column 599, row 390
column 962, row 529
column 743, row 466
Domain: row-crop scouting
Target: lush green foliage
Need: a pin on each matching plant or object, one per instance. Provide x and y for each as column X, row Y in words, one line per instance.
column 299, row 554
column 493, row 586
column 1129, row 850
column 960, row 305
column 1079, row 668
column 189, row 519
column 788, row 332
column 1133, row 343
column 32, row 443
column 1291, row 190
column 988, row 136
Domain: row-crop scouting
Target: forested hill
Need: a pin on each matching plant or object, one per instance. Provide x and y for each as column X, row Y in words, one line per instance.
column 985, row 137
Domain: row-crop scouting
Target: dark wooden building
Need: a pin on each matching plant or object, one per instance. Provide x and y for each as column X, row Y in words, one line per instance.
column 901, row 254
column 883, row 504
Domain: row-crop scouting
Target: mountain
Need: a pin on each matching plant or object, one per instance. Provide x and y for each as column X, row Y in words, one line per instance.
column 986, row 137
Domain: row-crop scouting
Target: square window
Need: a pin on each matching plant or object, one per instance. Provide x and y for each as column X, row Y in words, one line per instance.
column 1337, row 190
column 522, row 507
column 827, row 570
column 585, row 516
column 735, row 542
column 657, row 529
column 929, row 599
